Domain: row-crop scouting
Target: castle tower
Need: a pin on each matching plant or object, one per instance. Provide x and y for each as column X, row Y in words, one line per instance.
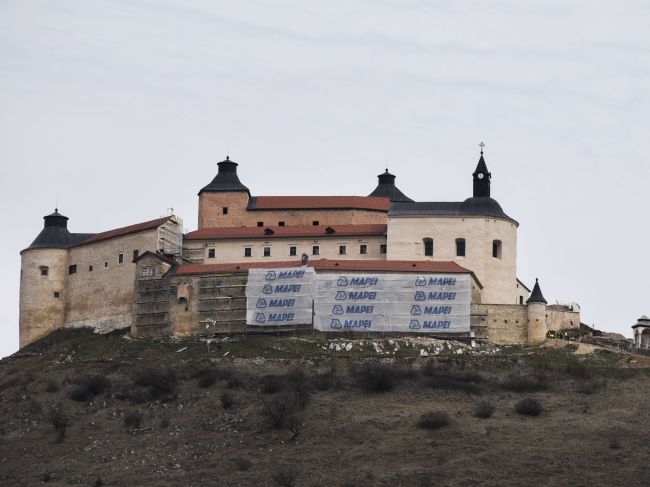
column 222, row 203
column 386, row 188
column 482, row 179
column 536, row 329
column 43, row 277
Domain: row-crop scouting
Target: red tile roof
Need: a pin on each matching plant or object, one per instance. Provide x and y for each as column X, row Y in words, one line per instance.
column 373, row 203
column 121, row 232
column 287, row 232
column 441, row 267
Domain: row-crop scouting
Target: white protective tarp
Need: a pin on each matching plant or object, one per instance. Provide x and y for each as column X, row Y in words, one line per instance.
column 434, row 303
column 280, row 296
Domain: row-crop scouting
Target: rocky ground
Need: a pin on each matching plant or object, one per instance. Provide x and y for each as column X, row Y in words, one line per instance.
column 84, row 409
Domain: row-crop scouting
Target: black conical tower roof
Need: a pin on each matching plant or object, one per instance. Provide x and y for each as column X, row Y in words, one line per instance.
column 226, row 179
column 386, row 188
column 55, row 234
column 481, row 166
column 536, row 296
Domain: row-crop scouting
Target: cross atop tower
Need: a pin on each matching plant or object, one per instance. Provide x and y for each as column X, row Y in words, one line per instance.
column 481, row 145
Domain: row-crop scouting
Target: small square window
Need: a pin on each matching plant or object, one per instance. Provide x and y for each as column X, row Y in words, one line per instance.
column 292, row 250
column 224, row 210
column 57, row 294
column 211, row 253
column 72, row 269
column 120, row 258
column 280, row 224
column 260, row 224
column 363, row 249
column 267, row 252
column 90, row 268
column 147, row 272
column 105, row 264
column 248, row 252
column 45, row 271
column 315, row 250
column 315, row 223
column 343, row 249
column 136, row 254
column 383, row 248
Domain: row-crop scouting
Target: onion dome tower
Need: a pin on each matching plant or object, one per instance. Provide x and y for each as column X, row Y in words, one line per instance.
column 226, row 179
column 223, row 202
column 386, row 188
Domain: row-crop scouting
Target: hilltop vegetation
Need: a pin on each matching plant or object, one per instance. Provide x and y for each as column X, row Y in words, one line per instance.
column 83, row 409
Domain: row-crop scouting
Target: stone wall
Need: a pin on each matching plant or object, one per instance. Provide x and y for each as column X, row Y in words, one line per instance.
column 502, row 324
column 561, row 318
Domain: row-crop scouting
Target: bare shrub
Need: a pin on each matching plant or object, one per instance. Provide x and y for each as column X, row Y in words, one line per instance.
column 522, row 383
column 133, row 419
column 374, row 377
column 484, row 409
column 529, row 407
column 281, row 411
column 272, row 384
column 285, row 477
column 590, row 386
column 227, row 400
column 452, row 383
column 242, row 464
column 206, row 378
column 324, row 382
column 298, row 383
column 164, row 422
column 51, row 386
column 433, row 420
column 159, row 384
column 577, row 369
column 88, row 387
column 59, row 421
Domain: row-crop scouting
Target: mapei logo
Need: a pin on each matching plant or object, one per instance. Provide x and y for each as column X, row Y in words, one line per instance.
column 421, row 281
column 261, row 303
column 336, row 324
column 414, row 325
column 271, row 276
column 337, row 309
column 415, row 309
column 343, row 281
column 420, row 296
column 341, row 296
column 260, row 318
column 267, row 289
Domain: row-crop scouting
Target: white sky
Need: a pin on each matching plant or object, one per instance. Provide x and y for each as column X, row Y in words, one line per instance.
column 121, row 108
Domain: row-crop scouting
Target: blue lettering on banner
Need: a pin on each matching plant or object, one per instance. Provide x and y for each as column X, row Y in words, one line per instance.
column 267, row 289
column 358, row 309
column 341, row 296
column 336, row 324
column 270, row 276
column 420, row 281
column 281, row 303
column 441, row 296
column 437, row 310
column 437, row 324
column 420, row 296
column 287, row 288
column 416, row 310
column 362, row 295
column 343, row 281
column 280, row 317
column 363, row 281
column 261, row 303
column 357, row 323
column 435, row 281
column 291, row 274
column 337, row 309
column 414, row 325
column 260, row 318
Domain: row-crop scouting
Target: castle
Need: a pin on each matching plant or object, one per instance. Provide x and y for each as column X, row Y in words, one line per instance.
column 157, row 280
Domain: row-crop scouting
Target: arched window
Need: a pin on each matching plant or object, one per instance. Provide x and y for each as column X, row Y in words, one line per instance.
column 428, row 246
column 496, row 249
column 460, row 247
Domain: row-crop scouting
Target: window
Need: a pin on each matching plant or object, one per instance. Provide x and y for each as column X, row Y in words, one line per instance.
column 267, row 252
column 224, row 210
column 248, row 251
column 363, row 249
column 521, row 300
column 292, row 250
column 315, row 250
column 315, row 222
column 428, row 247
column 260, row 224
column 383, row 248
column 90, row 268
column 72, row 269
column 136, row 254
column 57, row 294
column 211, row 253
column 146, row 272
column 496, row 249
column 280, row 224
column 120, row 258
column 105, row 264
column 460, row 247
column 44, row 270
column 343, row 249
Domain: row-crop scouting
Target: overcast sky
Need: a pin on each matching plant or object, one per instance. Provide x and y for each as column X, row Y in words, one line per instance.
column 120, row 109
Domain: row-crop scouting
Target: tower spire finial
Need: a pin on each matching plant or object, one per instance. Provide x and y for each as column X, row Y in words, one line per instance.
column 481, row 145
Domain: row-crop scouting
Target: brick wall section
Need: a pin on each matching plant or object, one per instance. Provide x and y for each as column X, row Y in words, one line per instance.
column 503, row 324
